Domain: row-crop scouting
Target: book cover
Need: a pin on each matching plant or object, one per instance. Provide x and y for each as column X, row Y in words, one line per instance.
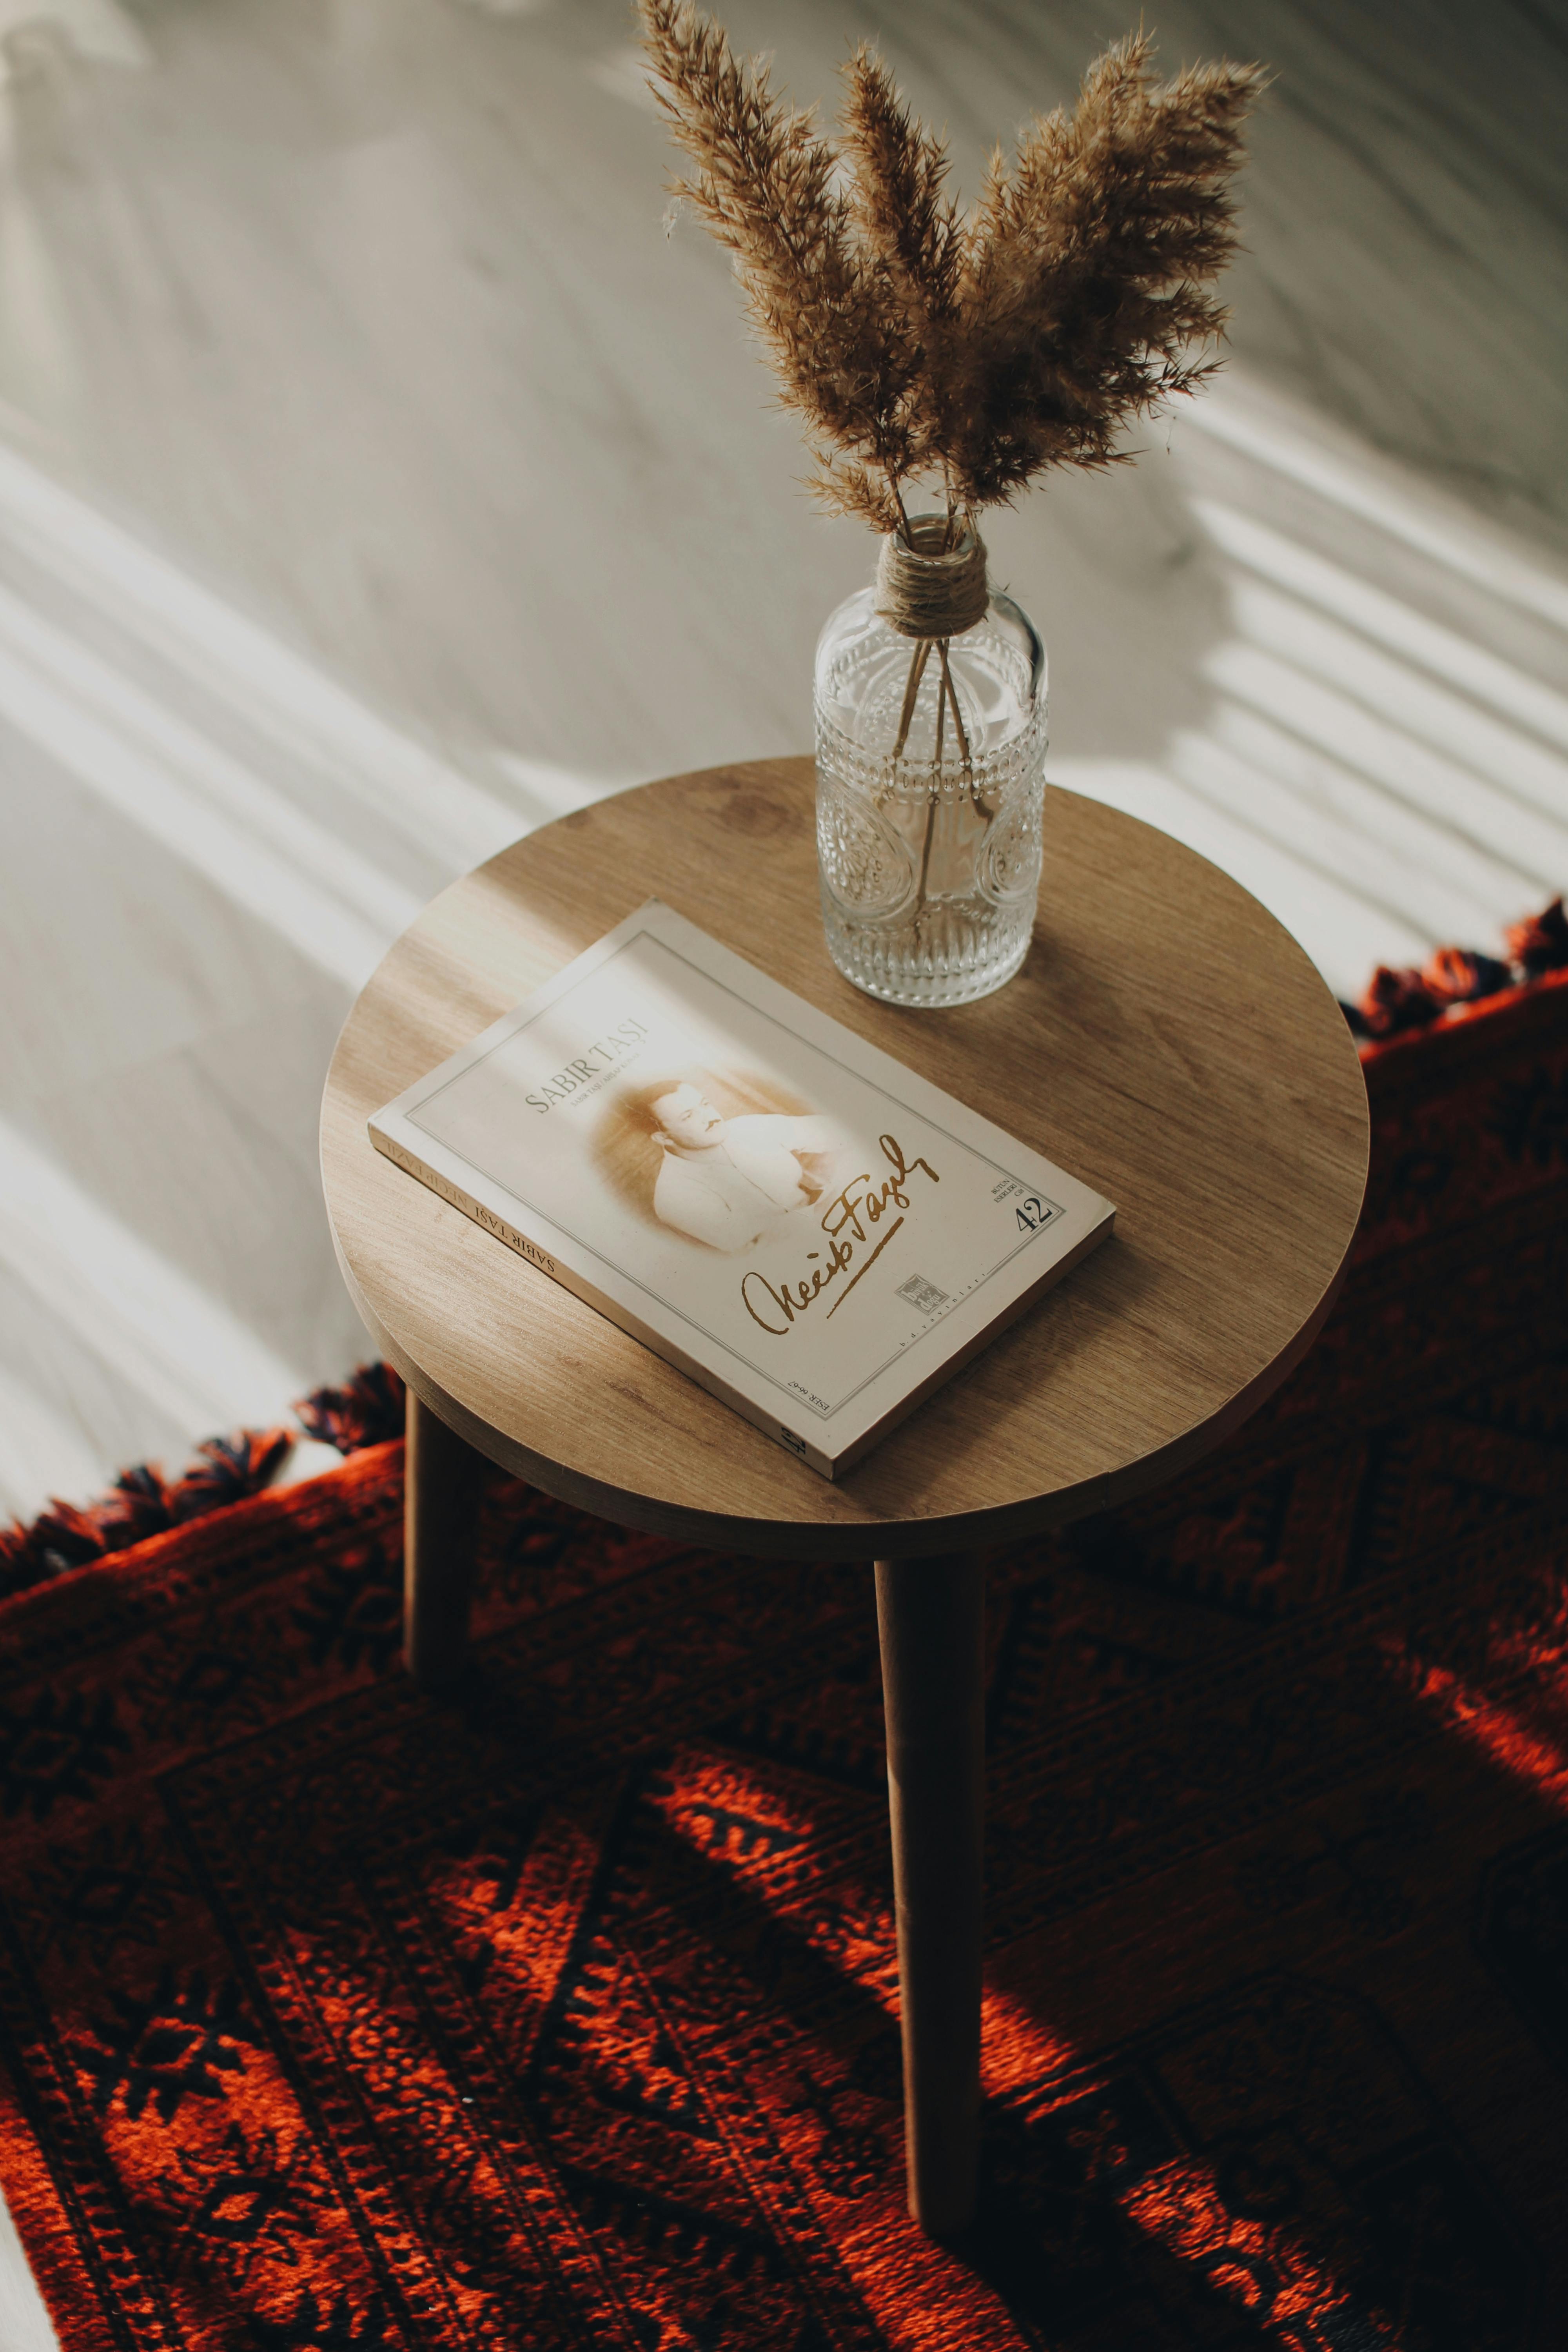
column 814, row 1232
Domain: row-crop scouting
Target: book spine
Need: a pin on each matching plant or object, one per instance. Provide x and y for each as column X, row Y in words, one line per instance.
column 545, row 1262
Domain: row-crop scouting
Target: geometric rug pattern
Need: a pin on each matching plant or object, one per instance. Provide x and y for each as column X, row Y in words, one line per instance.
column 564, row 2014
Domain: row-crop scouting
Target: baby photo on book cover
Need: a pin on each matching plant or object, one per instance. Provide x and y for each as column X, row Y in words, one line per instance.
column 719, row 1156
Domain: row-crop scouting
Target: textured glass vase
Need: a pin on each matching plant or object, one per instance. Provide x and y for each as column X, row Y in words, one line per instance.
column 929, row 776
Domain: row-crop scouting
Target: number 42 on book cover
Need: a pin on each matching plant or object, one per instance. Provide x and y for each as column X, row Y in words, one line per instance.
column 812, row 1232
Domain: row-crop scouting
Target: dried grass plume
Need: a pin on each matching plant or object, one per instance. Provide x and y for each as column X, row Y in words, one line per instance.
column 919, row 342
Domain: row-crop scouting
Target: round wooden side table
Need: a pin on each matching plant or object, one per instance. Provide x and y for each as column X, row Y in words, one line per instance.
column 1166, row 1041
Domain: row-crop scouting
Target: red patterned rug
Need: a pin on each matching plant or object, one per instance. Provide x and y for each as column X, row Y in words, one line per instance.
column 565, row 2015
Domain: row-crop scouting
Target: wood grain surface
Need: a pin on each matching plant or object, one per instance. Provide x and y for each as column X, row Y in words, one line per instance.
column 1166, row 1041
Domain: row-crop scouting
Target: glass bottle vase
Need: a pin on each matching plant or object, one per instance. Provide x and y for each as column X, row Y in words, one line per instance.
column 929, row 776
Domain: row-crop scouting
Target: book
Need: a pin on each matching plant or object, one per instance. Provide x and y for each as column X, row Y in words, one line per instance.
column 812, row 1232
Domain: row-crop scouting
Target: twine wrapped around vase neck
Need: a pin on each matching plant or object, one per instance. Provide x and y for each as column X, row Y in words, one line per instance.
column 927, row 589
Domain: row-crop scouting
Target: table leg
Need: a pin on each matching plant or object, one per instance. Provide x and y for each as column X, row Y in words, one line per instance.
column 931, row 1615
column 442, row 1476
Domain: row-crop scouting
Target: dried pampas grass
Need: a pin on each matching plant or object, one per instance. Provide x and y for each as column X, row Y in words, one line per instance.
column 918, row 342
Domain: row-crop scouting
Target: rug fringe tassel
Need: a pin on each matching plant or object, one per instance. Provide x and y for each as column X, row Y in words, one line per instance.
column 367, row 1411
column 1399, row 999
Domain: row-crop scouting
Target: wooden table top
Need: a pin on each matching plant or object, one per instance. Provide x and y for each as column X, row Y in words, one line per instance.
column 1166, row 1041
